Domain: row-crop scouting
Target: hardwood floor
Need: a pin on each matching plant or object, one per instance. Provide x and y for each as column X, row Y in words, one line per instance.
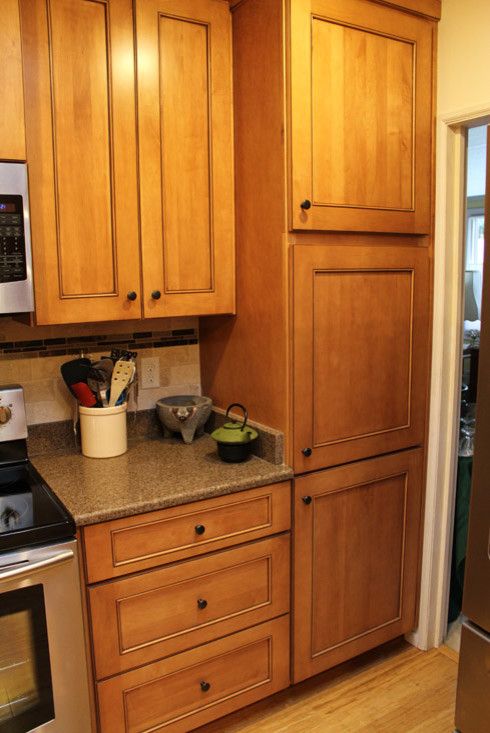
column 394, row 689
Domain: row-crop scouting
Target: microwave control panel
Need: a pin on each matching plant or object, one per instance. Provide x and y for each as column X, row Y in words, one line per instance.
column 13, row 264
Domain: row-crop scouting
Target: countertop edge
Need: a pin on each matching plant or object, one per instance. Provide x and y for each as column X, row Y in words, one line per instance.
column 278, row 474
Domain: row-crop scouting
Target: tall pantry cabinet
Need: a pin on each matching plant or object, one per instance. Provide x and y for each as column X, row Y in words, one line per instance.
column 333, row 153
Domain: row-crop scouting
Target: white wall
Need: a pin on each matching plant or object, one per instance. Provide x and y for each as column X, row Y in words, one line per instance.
column 464, row 55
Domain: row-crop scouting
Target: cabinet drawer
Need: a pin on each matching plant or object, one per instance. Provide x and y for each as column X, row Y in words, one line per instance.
column 127, row 545
column 153, row 615
column 174, row 696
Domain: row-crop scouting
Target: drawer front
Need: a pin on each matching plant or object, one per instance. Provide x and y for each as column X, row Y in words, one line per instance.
column 190, row 689
column 155, row 614
column 125, row 546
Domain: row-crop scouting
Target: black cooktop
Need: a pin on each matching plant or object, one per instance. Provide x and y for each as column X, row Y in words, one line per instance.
column 30, row 514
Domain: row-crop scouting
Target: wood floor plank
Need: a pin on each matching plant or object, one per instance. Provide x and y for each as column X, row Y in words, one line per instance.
column 394, row 689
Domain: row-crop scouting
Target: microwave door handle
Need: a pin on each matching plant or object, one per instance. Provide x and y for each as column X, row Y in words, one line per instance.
column 35, row 567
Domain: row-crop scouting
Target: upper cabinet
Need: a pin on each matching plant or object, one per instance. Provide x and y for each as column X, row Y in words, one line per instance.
column 12, row 130
column 186, row 156
column 361, row 117
column 92, row 262
column 81, row 151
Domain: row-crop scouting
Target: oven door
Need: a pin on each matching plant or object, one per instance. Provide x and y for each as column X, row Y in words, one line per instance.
column 43, row 670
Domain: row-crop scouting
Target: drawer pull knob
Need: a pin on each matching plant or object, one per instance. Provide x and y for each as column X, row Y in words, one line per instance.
column 307, row 452
column 205, row 686
column 156, row 295
column 307, row 500
column 306, row 204
column 201, row 603
column 132, row 295
column 200, row 528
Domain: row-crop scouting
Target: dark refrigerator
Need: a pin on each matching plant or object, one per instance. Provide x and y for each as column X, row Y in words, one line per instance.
column 473, row 695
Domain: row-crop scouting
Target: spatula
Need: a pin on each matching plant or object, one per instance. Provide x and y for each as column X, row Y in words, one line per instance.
column 121, row 376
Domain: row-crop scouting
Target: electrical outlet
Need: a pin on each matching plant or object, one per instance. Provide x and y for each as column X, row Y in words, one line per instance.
column 150, row 372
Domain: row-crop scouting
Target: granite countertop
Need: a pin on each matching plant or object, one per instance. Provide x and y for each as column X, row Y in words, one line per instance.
column 153, row 474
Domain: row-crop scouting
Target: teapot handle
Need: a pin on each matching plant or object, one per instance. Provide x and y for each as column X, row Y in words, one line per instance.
column 244, row 409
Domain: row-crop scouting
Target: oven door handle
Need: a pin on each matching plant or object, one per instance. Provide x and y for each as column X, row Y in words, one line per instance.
column 35, row 567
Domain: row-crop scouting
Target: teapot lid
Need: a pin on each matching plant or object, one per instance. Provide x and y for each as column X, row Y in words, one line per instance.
column 235, row 432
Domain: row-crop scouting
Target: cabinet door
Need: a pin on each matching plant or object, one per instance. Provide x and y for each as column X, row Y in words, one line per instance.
column 81, row 147
column 356, row 558
column 361, row 351
column 12, row 129
column 185, row 142
column 361, row 117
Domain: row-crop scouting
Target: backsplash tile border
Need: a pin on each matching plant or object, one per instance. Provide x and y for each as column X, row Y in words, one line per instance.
column 73, row 345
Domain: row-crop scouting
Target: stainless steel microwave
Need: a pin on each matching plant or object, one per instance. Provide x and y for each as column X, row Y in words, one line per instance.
column 16, row 291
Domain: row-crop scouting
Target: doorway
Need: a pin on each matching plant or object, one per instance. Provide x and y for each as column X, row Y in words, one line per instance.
column 472, row 270
column 447, row 369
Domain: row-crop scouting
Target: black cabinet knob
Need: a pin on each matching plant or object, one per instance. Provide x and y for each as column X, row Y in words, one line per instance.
column 201, row 603
column 307, row 500
column 306, row 204
column 132, row 295
column 307, row 452
column 205, row 686
column 156, row 295
column 200, row 528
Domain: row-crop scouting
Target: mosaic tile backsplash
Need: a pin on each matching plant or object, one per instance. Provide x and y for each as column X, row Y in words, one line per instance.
column 32, row 357
column 63, row 346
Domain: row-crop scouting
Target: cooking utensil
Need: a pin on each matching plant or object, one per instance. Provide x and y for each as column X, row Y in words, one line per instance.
column 234, row 439
column 75, row 372
column 122, row 376
column 84, row 394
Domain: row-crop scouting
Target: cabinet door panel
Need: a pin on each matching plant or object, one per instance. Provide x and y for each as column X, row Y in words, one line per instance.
column 361, row 144
column 356, row 558
column 361, row 319
column 12, row 129
column 81, row 139
column 186, row 175
column 186, row 198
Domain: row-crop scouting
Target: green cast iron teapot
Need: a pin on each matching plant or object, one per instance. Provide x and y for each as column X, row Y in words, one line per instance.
column 234, row 438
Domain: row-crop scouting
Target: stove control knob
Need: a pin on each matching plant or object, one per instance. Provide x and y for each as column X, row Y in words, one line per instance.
column 5, row 414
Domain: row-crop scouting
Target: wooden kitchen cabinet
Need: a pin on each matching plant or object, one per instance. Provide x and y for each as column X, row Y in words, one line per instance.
column 356, row 558
column 273, row 152
column 81, row 148
column 189, row 609
column 361, row 329
column 91, row 262
column 334, row 104
column 361, row 117
column 12, row 126
column 186, row 156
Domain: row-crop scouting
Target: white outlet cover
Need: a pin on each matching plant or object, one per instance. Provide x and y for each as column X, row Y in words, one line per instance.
column 150, row 372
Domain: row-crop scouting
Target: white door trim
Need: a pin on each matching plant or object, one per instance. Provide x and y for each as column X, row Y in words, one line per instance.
column 446, row 373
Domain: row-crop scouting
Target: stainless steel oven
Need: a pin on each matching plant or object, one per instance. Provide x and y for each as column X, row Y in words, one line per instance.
column 44, row 683
column 43, row 671
column 16, row 291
